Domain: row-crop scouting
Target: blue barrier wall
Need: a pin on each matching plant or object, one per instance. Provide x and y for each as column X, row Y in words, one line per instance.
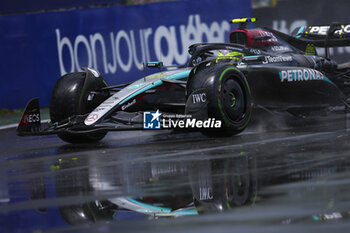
column 36, row 49
column 17, row 6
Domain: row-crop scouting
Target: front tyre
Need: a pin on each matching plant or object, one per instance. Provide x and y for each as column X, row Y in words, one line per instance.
column 68, row 99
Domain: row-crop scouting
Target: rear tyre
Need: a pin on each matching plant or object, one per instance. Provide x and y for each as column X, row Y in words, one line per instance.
column 222, row 184
column 228, row 95
column 66, row 101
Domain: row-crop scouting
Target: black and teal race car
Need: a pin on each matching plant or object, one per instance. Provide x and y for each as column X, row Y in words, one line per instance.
column 217, row 92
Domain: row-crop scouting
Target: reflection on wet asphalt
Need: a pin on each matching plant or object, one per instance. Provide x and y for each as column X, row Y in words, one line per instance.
column 290, row 180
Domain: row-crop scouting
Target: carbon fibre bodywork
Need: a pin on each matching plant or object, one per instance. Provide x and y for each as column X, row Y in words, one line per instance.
column 281, row 73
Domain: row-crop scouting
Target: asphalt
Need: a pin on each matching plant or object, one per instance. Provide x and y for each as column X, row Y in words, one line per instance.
column 284, row 179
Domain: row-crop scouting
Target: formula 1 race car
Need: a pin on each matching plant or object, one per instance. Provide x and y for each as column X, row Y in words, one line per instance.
column 215, row 93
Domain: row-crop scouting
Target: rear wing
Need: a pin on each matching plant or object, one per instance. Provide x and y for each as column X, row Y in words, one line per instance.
column 334, row 35
column 333, row 31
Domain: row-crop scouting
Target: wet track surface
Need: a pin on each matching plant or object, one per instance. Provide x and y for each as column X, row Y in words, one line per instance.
column 285, row 180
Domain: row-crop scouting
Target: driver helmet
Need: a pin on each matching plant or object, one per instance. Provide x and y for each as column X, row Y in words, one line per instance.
column 228, row 56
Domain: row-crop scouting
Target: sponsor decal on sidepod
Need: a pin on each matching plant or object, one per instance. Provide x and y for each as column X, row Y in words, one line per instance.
column 301, row 75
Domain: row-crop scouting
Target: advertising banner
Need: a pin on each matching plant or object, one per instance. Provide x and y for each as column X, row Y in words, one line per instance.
column 21, row 6
column 36, row 49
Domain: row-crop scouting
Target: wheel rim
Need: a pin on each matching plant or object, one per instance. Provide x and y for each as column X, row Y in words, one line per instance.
column 233, row 99
column 237, row 181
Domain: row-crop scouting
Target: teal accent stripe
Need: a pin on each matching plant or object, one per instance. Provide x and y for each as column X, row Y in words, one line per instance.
column 187, row 212
column 301, row 29
column 329, row 81
column 255, row 56
column 148, row 206
column 155, row 84
column 179, row 75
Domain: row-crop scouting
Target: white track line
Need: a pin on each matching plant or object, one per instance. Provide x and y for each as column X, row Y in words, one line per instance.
column 15, row 125
column 8, row 126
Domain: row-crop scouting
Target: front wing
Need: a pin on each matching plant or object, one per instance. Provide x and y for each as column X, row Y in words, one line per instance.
column 31, row 124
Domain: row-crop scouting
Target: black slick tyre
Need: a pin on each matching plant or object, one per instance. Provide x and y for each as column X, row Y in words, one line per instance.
column 67, row 100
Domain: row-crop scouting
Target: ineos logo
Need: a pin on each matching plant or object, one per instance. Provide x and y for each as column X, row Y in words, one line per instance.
column 199, row 98
column 31, row 118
